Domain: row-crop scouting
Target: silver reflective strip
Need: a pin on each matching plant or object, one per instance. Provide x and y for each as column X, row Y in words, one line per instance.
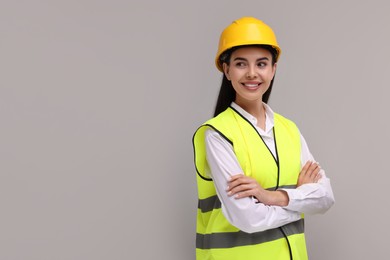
column 285, row 187
column 213, row 202
column 209, row 204
column 234, row 239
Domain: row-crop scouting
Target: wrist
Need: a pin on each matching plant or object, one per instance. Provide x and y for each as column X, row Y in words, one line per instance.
column 282, row 198
column 273, row 198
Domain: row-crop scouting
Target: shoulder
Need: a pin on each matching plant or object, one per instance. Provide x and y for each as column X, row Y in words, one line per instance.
column 284, row 120
column 220, row 121
column 287, row 125
column 220, row 125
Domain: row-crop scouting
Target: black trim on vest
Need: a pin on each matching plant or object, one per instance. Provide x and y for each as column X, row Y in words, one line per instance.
column 254, row 128
column 277, row 155
column 277, row 164
column 219, row 132
column 193, row 147
column 288, row 243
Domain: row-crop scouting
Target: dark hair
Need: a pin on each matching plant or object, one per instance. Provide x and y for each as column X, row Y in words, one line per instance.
column 227, row 94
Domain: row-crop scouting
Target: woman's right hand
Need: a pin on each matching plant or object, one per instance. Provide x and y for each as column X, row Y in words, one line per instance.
column 310, row 173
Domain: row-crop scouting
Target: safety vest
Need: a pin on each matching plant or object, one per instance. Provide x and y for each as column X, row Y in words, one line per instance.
column 216, row 238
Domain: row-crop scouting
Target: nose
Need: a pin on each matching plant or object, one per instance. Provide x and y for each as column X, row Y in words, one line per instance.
column 251, row 73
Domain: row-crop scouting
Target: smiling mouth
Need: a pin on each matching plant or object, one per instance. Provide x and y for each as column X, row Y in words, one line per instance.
column 251, row 85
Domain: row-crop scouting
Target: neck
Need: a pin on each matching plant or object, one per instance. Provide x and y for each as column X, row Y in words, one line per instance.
column 256, row 109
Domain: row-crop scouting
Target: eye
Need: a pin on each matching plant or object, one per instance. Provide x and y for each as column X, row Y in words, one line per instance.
column 262, row 64
column 240, row 64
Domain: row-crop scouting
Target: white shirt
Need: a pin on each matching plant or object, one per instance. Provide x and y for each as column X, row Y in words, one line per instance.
column 246, row 213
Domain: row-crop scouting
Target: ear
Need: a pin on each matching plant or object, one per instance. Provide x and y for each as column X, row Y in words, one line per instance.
column 225, row 68
column 274, row 69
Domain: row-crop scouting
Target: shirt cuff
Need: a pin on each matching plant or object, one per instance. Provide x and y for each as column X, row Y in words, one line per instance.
column 298, row 195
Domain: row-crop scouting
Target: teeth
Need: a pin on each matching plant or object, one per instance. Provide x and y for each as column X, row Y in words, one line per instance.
column 251, row 85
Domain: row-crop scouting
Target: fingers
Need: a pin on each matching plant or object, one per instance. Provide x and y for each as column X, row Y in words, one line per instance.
column 244, row 194
column 310, row 173
column 306, row 167
column 313, row 170
column 242, row 186
column 317, row 177
column 237, row 180
column 309, row 167
column 237, row 177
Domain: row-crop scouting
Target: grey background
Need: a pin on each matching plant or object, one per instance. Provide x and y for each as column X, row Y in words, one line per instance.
column 99, row 101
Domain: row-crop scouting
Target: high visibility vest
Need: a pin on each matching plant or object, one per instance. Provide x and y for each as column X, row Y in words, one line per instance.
column 216, row 238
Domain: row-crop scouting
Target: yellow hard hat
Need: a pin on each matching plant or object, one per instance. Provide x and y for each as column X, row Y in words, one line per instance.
column 246, row 31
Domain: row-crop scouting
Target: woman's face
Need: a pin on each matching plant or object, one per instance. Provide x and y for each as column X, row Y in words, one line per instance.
column 250, row 72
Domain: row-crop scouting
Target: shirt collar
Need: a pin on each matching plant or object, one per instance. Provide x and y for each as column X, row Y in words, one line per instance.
column 269, row 116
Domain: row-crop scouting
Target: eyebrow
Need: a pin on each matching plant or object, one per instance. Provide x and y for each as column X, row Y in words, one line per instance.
column 243, row 59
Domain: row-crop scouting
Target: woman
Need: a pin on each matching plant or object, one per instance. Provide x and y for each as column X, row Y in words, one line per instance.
column 256, row 176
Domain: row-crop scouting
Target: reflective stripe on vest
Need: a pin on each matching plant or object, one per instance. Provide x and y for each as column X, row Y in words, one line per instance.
column 216, row 237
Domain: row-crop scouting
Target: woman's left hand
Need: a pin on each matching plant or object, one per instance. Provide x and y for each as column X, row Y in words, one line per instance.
column 241, row 186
